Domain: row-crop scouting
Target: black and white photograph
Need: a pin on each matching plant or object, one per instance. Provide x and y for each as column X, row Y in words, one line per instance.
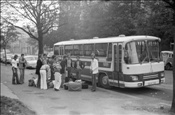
column 87, row 57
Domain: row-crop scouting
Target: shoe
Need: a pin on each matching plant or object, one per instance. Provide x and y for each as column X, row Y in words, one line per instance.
column 56, row 89
column 93, row 90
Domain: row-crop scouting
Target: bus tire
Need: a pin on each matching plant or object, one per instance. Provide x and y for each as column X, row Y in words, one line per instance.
column 104, row 81
column 167, row 66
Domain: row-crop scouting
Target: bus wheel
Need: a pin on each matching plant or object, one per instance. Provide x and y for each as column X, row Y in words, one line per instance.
column 168, row 66
column 104, row 81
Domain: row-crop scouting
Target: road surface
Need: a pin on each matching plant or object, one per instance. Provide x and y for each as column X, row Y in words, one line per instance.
column 153, row 100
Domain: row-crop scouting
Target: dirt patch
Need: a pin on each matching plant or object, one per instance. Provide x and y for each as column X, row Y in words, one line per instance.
column 11, row 106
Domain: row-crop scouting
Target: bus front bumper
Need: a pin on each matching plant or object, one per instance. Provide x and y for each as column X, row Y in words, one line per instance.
column 144, row 83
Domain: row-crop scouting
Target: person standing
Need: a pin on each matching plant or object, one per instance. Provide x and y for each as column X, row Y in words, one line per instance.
column 63, row 69
column 15, row 79
column 69, row 66
column 94, row 71
column 38, row 66
column 45, row 74
column 51, row 67
column 79, row 65
column 22, row 65
column 57, row 82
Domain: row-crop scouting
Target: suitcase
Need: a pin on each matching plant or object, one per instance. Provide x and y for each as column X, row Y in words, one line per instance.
column 65, row 87
column 74, row 86
column 84, row 86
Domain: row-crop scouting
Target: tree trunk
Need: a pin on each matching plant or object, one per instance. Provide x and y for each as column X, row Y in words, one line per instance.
column 5, row 55
column 40, row 43
column 173, row 101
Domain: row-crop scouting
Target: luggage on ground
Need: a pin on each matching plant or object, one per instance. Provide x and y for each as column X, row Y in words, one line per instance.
column 84, row 86
column 74, row 86
column 31, row 82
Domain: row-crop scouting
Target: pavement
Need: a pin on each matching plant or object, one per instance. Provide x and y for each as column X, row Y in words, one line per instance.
column 5, row 91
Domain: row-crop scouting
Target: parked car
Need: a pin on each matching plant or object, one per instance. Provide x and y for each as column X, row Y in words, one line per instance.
column 167, row 57
column 31, row 61
column 8, row 58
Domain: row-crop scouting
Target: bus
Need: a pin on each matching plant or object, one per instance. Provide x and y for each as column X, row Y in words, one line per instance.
column 124, row 61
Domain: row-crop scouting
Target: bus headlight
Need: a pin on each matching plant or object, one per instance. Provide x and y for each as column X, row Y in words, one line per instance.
column 134, row 78
column 162, row 74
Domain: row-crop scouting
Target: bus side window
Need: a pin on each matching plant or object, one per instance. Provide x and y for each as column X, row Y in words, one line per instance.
column 78, row 50
column 68, row 49
column 101, row 49
column 56, row 50
column 88, row 49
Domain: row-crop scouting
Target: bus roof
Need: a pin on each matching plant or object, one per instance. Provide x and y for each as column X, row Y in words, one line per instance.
column 106, row 40
column 170, row 52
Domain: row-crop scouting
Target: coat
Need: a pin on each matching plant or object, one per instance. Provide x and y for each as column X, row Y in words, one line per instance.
column 38, row 66
column 81, row 64
column 63, row 66
column 22, row 63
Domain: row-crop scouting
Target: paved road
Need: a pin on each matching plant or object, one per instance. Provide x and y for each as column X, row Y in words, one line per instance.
column 115, row 101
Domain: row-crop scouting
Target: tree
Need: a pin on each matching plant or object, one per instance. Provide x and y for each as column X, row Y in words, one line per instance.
column 8, row 34
column 42, row 16
column 171, row 5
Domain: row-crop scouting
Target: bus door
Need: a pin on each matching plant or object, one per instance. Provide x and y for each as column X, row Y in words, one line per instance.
column 117, row 76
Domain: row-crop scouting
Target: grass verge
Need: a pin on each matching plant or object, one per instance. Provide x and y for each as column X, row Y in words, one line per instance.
column 11, row 106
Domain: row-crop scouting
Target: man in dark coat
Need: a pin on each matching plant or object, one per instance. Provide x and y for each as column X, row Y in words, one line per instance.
column 38, row 66
column 79, row 66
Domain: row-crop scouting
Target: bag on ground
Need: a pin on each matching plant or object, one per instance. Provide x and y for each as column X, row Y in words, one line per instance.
column 50, row 84
column 84, row 86
column 31, row 82
column 74, row 86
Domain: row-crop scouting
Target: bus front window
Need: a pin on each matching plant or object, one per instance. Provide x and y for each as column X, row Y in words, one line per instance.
column 153, row 47
column 136, row 52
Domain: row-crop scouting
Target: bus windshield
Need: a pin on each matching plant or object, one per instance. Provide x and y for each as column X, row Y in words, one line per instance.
column 141, row 52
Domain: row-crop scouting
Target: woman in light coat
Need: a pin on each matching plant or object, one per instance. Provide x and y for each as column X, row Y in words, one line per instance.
column 45, row 74
column 57, row 75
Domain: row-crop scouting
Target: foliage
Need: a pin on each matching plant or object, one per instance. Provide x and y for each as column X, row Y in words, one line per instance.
column 88, row 19
column 8, row 34
column 42, row 16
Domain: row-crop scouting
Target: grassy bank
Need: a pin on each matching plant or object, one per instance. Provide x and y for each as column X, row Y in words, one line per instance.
column 11, row 106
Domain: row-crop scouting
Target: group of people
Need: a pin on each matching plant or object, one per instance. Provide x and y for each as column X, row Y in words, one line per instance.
column 21, row 64
column 55, row 70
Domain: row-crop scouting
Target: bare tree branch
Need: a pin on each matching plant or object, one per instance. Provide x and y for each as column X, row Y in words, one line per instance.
column 44, row 32
column 28, row 17
column 170, row 4
column 28, row 32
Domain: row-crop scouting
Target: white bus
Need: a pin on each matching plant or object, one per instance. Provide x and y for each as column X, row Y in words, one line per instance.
column 124, row 61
